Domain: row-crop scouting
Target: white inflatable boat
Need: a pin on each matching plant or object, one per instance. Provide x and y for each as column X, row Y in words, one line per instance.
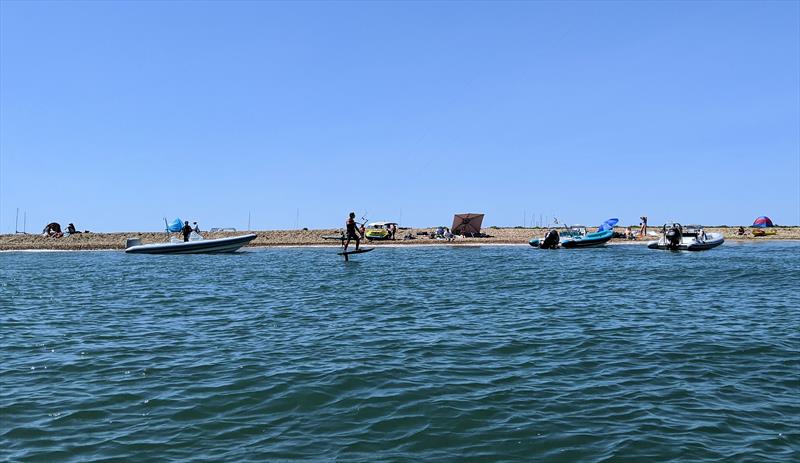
column 196, row 245
column 677, row 237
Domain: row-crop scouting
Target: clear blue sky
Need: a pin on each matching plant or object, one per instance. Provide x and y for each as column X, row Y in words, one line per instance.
column 116, row 114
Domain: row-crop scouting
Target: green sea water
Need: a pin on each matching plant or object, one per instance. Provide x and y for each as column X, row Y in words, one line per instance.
column 404, row 354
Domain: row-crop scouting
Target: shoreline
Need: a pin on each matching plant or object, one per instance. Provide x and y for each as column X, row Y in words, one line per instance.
column 413, row 245
column 313, row 238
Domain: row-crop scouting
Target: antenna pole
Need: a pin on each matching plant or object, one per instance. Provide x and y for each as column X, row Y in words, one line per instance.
column 16, row 223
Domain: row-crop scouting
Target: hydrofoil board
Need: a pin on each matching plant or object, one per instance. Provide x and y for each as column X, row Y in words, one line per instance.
column 360, row 251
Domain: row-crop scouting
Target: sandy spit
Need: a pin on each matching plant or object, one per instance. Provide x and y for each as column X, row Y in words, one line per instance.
column 268, row 238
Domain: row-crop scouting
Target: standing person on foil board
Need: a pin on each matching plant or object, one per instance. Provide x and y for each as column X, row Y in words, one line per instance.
column 352, row 231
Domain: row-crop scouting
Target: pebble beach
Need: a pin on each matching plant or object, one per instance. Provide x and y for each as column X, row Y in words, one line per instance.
column 269, row 238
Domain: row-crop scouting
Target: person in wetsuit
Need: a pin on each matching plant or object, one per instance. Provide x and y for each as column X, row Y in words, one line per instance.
column 351, row 232
column 187, row 230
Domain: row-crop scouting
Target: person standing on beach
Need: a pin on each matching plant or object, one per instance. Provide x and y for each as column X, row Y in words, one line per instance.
column 351, row 231
column 186, row 230
column 643, row 230
column 196, row 228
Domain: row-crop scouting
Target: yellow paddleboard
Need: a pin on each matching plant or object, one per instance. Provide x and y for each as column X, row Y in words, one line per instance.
column 764, row 232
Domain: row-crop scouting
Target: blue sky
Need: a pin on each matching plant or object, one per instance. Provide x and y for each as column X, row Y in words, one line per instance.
column 114, row 115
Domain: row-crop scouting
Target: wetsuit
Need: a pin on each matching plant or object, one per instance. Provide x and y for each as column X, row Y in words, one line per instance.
column 187, row 230
column 351, row 230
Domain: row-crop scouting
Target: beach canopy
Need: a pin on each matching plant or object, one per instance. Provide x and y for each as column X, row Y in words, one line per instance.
column 175, row 226
column 763, row 222
column 608, row 225
column 467, row 224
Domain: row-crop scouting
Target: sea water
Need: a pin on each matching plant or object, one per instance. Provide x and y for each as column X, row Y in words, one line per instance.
column 493, row 353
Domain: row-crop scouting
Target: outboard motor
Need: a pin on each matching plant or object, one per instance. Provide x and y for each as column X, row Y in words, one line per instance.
column 550, row 240
column 673, row 237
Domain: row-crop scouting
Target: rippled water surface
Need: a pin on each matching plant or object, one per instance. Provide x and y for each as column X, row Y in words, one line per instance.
column 403, row 354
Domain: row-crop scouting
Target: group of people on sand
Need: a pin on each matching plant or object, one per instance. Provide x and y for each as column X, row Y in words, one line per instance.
column 443, row 233
column 53, row 230
column 392, row 229
column 631, row 235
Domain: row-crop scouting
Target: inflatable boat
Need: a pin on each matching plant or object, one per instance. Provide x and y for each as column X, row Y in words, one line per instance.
column 379, row 231
column 576, row 236
column 193, row 246
column 588, row 240
column 677, row 237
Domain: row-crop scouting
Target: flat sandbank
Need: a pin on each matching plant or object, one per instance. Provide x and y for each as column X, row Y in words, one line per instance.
column 116, row 241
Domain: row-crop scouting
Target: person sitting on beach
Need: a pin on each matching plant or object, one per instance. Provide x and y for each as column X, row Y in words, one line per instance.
column 71, row 229
column 186, row 230
column 52, row 230
column 448, row 235
column 351, row 232
column 741, row 231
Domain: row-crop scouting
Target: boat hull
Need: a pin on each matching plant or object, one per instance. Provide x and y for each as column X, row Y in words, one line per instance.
column 573, row 242
column 714, row 240
column 588, row 241
column 215, row 246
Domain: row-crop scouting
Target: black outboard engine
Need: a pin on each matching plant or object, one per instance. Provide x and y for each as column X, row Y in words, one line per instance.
column 550, row 240
column 673, row 237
